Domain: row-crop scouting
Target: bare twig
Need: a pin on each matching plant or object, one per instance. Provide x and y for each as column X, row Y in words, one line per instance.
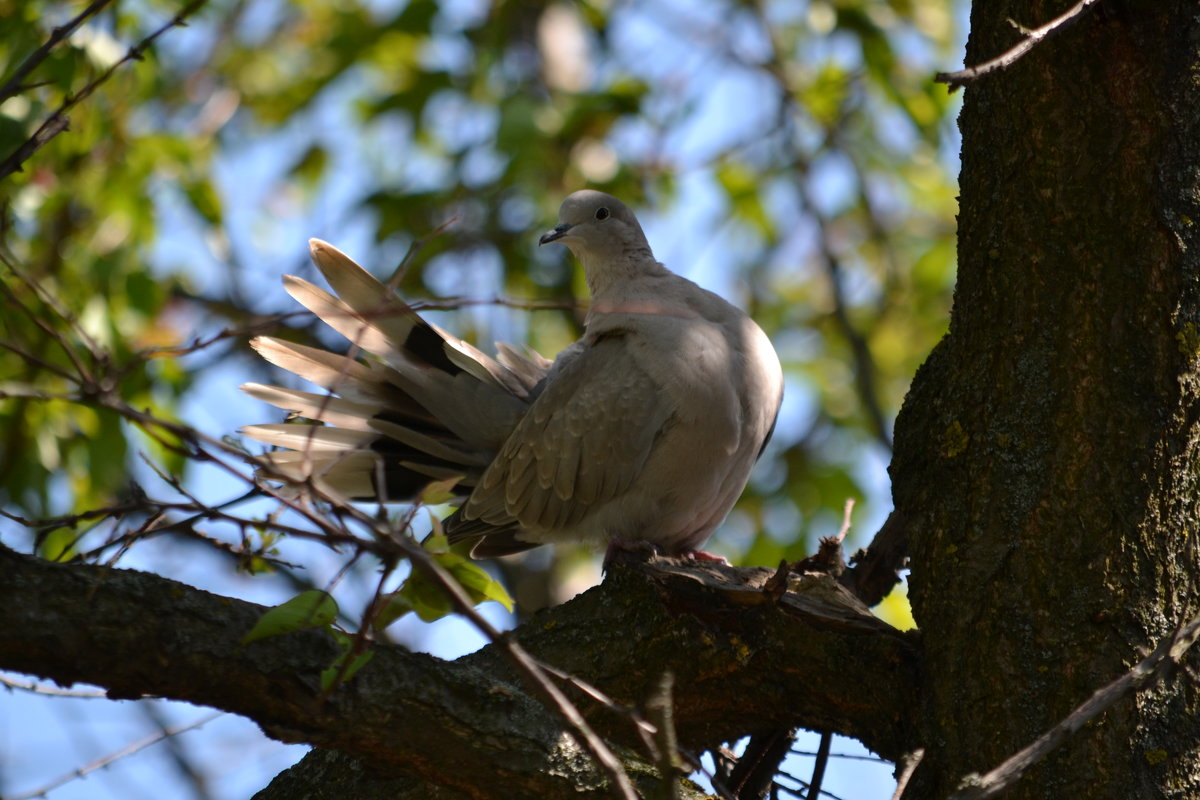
column 528, row 666
column 385, row 546
column 830, row 556
column 455, row 303
column 907, row 766
column 57, row 122
column 183, row 760
column 1006, row 59
column 865, row 367
column 1164, row 658
column 83, row 375
column 845, row 756
column 759, row 763
column 822, row 761
column 100, row 763
column 847, row 513
column 800, row 790
column 14, row 83
column 864, row 360
column 660, row 709
column 876, row 569
column 397, row 275
column 52, row 691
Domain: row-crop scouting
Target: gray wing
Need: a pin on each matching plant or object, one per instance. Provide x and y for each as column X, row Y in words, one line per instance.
column 582, row 443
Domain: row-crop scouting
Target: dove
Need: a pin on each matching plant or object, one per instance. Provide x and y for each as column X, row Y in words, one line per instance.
column 644, row 430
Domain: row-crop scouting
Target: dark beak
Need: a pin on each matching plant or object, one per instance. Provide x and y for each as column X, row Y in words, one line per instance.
column 555, row 235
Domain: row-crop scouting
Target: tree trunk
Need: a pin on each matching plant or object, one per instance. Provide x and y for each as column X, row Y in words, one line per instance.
column 1046, row 456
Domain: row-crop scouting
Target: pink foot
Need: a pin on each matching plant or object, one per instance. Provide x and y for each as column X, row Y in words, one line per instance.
column 704, row 555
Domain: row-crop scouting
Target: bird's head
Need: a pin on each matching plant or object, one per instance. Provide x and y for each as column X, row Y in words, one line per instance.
column 598, row 228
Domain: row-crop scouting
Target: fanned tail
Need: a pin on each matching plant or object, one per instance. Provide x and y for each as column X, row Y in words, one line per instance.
column 431, row 408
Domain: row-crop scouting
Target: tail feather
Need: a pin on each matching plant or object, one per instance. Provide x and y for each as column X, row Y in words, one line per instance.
column 317, row 407
column 470, row 393
column 352, row 380
column 449, row 450
column 473, row 360
column 309, row 437
column 528, row 367
column 331, row 372
column 369, row 302
column 372, row 332
column 349, row 473
column 431, row 408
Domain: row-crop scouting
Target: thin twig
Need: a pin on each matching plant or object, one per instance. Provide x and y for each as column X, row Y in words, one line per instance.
column 830, row 556
column 100, row 763
column 865, row 367
column 1144, row 673
column 183, row 759
column 57, row 122
column 962, row 77
column 530, row 668
column 819, row 765
column 660, row 709
column 52, row 691
column 908, row 765
column 759, row 763
column 864, row 360
column 82, row 374
column 393, row 281
column 13, row 84
column 421, row 559
column 847, row 513
column 846, row 756
column 801, row 787
column 455, row 303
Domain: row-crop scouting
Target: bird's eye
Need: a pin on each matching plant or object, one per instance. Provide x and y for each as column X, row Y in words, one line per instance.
column 602, row 213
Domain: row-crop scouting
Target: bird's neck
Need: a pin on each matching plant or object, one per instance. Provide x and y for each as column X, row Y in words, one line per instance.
column 607, row 275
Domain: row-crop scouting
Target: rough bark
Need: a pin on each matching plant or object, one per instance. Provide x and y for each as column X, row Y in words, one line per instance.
column 742, row 661
column 1046, row 457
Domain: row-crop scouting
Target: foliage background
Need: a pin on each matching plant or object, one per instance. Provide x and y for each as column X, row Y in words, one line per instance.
column 796, row 157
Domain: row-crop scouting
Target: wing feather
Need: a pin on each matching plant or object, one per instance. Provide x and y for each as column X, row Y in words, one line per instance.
column 583, row 442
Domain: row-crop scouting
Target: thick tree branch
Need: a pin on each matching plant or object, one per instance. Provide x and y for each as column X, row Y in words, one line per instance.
column 742, row 664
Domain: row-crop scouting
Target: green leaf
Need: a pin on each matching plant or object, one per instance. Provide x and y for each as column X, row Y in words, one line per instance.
column 145, row 293
column 205, row 200
column 436, row 542
column 419, row 595
column 439, row 492
column 741, row 186
column 59, row 545
column 311, row 609
column 479, row 585
column 310, row 168
column 331, row 673
column 391, row 608
column 422, row 596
